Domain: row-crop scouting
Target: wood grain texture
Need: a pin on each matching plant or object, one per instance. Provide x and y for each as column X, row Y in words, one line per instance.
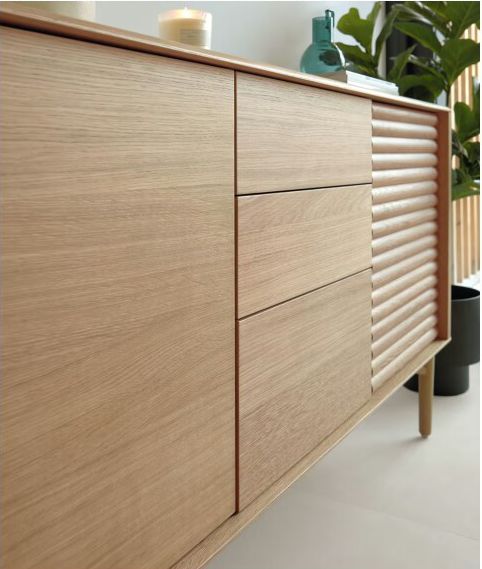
column 402, row 130
column 41, row 21
column 404, row 343
column 203, row 552
column 444, row 226
column 403, row 327
column 392, row 240
column 405, row 251
column 403, row 191
column 291, row 137
column 393, row 225
column 397, row 160
column 304, row 368
column 384, row 276
column 403, row 206
column 118, row 304
column 399, row 314
column 289, row 243
column 388, row 144
column 385, row 292
column 403, row 176
column 398, row 114
column 426, row 378
column 418, row 347
column 393, row 303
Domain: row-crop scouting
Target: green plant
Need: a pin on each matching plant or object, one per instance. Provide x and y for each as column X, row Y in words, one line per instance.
column 438, row 26
column 465, row 176
column 365, row 57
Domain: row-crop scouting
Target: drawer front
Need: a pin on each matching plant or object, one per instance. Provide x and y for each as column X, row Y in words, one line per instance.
column 292, row 242
column 304, row 368
column 405, row 237
column 295, row 137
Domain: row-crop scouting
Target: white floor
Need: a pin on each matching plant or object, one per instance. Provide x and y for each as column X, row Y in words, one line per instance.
column 383, row 499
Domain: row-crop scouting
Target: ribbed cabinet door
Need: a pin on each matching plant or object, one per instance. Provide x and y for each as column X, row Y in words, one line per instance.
column 405, row 243
column 118, row 304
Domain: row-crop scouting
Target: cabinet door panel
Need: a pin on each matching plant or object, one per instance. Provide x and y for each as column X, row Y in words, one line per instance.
column 118, row 304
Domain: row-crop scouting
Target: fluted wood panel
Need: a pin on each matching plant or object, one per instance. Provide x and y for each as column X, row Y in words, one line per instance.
column 402, row 328
column 404, row 232
column 403, row 191
column 403, row 176
column 402, row 222
column 400, row 314
column 387, row 144
column 382, row 294
column 400, row 207
column 387, row 242
column 420, row 284
column 397, row 254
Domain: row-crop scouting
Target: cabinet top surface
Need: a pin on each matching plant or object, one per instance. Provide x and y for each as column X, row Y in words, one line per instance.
column 40, row 21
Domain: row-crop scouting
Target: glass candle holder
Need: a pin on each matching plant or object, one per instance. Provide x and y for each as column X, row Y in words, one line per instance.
column 192, row 27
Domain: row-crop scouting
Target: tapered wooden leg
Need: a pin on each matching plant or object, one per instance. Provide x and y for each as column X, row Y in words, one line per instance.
column 425, row 398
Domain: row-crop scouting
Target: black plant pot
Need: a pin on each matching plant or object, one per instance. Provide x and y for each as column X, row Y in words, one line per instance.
column 452, row 363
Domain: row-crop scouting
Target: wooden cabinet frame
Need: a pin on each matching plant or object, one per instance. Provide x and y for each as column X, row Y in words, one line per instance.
column 100, row 37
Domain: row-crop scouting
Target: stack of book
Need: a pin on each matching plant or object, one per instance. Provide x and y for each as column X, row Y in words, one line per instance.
column 358, row 80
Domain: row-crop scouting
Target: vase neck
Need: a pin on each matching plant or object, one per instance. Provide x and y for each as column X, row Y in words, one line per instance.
column 323, row 28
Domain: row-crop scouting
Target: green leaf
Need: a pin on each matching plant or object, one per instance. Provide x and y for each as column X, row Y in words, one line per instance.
column 361, row 29
column 458, row 148
column 361, row 59
column 464, row 188
column 421, row 33
column 456, row 55
column 373, row 14
column 421, row 12
column 431, row 67
column 399, row 64
column 429, row 82
column 470, row 162
column 466, row 122
column 462, row 16
column 385, row 32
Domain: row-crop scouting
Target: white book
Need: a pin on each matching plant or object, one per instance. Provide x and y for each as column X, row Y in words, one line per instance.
column 352, row 78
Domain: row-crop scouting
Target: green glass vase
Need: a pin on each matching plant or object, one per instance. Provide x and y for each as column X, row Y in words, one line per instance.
column 322, row 56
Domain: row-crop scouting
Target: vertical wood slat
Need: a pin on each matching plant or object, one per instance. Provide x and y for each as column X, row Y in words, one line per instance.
column 466, row 212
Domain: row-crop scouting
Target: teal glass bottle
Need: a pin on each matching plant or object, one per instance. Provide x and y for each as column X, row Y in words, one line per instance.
column 322, row 56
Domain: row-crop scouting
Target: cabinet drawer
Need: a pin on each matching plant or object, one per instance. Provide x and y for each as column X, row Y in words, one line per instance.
column 294, row 137
column 304, row 368
column 292, row 242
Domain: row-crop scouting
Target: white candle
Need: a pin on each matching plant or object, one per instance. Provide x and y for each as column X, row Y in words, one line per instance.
column 186, row 26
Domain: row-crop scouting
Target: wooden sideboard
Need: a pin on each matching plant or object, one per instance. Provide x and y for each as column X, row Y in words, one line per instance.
column 212, row 271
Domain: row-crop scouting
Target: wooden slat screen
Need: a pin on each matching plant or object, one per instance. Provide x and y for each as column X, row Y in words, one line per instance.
column 404, row 230
column 466, row 212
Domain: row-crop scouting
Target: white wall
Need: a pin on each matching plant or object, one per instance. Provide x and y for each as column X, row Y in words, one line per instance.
column 269, row 32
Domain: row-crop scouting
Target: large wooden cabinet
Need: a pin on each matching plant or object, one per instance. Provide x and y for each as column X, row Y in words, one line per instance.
column 211, row 272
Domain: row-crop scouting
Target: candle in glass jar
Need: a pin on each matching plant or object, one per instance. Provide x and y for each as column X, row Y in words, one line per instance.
column 186, row 26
